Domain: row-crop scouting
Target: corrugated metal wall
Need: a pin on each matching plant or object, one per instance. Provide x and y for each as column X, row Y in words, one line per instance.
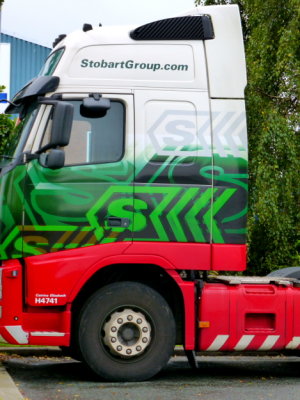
column 26, row 61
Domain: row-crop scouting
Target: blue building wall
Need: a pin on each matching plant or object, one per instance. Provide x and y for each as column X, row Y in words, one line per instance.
column 26, row 61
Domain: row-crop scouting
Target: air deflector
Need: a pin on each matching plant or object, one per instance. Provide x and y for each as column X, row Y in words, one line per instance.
column 178, row 28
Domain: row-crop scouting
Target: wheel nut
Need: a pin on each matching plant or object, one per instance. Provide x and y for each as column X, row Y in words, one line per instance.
column 114, row 329
column 119, row 348
column 113, row 340
column 144, row 340
column 128, row 351
column 145, row 329
column 139, row 321
column 129, row 317
column 120, row 320
column 138, row 348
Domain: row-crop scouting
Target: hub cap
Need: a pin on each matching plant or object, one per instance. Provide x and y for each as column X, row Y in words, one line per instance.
column 127, row 333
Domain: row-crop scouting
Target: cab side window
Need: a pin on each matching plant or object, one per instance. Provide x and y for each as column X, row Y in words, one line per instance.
column 95, row 140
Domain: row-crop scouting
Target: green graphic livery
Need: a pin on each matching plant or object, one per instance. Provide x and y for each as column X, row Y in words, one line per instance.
column 47, row 211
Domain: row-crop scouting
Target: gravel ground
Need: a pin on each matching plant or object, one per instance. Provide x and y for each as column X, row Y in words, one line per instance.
column 226, row 378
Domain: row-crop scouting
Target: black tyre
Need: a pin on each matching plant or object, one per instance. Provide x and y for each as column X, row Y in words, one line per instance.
column 289, row 272
column 126, row 332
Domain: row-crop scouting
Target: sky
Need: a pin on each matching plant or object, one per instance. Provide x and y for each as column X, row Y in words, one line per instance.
column 41, row 21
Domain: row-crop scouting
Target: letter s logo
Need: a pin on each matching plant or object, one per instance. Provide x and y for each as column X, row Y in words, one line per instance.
column 121, row 208
column 179, row 136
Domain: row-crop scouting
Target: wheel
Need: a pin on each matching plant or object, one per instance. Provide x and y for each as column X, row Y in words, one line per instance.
column 126, row 332
column 289, row 272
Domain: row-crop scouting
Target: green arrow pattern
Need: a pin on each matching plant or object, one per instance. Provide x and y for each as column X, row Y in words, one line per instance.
column 47, row 211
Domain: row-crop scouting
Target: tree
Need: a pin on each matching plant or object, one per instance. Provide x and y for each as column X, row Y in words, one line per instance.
column 272, row 44
column 6, row 127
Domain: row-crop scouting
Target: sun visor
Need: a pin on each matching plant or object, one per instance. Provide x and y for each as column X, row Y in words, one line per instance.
column 37, row 87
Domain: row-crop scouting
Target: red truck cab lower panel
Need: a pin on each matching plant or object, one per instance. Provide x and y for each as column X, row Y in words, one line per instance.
column 37, row 292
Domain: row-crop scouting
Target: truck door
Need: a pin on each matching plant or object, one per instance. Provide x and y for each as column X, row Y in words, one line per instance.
column 173, row 183
column 89, row 200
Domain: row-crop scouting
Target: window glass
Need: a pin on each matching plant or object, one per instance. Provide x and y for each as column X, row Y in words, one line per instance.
column 14, row 146
column 94, row 140
column 51, row 63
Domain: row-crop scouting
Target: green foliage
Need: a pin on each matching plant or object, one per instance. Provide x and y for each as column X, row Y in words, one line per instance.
column 272, row 43
column 6, row 127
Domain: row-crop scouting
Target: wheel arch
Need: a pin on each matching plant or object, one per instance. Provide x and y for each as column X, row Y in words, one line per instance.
column 166, row 282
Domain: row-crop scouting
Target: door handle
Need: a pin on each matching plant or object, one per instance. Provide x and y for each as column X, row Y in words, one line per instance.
column 118, row 222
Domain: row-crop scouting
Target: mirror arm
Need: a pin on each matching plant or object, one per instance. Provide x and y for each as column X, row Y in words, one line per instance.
column 48, row 101
column 44, row 148
column 54, row 99
column 29, row 157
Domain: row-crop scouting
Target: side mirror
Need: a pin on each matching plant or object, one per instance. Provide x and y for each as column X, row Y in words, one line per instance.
column 94, row 106
column 61, row 124
column 54, row 159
